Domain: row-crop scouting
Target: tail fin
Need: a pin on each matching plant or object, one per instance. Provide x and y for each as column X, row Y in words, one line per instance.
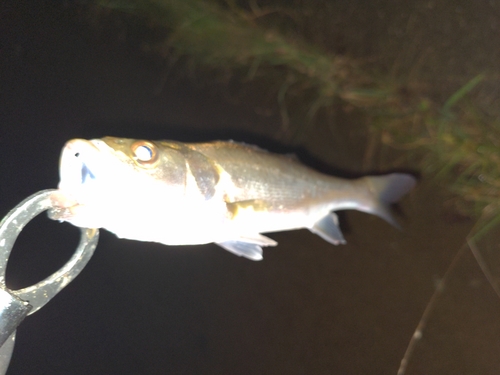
column 387, row 190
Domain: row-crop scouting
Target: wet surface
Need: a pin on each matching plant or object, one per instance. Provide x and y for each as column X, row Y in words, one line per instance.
column 308, row 307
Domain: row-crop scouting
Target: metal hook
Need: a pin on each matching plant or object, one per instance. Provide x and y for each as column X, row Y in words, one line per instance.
column 15, row 305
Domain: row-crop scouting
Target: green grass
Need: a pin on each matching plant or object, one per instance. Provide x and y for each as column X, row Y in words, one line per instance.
column 227, row 38
column 457, row 144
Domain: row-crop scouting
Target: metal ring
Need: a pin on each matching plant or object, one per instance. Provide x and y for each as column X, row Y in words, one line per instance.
column 39, row 294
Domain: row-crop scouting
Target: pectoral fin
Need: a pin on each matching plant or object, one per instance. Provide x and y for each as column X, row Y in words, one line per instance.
column 248, row 206
column 328, row 229
column 243, row 249
column 248, row 246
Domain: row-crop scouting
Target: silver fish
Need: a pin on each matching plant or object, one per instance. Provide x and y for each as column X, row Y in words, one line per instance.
column 196, row 193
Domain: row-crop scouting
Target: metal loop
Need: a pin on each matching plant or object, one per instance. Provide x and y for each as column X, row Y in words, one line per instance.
column 39, row 294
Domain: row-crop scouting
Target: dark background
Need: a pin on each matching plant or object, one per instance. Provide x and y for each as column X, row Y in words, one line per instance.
column 139, row 308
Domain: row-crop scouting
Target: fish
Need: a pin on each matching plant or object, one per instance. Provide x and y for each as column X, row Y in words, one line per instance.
column 222, row 192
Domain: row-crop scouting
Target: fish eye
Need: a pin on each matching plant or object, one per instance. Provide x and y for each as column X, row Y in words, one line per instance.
column 144, row 152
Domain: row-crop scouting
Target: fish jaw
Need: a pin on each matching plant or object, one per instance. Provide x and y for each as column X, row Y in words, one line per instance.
column 83, row 188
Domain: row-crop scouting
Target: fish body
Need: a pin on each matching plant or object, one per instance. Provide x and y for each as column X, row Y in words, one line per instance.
column 196, row 193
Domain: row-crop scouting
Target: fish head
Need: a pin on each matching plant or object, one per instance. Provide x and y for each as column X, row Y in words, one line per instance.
column 110, row 180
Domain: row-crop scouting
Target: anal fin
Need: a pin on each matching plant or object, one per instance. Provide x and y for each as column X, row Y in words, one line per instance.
column 328, row 229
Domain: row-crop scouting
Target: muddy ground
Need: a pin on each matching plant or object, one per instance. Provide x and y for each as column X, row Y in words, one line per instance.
column 309, row 307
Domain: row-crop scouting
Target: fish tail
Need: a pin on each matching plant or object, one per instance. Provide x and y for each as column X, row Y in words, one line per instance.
column 387, row 190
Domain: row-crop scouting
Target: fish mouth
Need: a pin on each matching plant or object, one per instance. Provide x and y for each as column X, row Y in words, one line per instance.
column 78, row 169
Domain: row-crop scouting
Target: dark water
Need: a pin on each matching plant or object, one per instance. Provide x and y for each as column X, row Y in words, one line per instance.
column 308, row 308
